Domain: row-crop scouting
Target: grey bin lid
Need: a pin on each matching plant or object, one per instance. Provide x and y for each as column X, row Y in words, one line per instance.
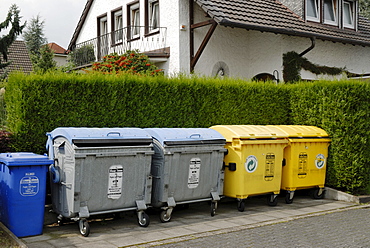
column 186, row 136
column 100, row 135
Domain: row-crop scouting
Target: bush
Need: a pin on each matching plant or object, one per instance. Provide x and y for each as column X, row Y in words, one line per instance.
column 131, row 62
column 5, row 141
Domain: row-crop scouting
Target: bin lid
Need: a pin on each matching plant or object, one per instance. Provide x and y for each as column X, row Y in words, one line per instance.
column 96, row 135
column 24, row 159
column 231, row 132
column 300, row 131
column 186, row 136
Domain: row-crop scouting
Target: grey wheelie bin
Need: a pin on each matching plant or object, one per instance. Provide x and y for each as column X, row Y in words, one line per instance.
column 100, row 171
column 186, row 167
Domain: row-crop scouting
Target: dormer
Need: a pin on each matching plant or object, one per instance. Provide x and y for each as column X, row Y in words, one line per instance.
column 335, row 13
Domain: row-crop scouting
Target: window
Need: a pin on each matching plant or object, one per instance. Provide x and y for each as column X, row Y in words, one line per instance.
column 103, row 25
column 152, row 15
column 341, row 13
column 117, row 26
column 349, row 14
column 133, row 16
column 331, row 12
column 313, row 10
column 102, row 36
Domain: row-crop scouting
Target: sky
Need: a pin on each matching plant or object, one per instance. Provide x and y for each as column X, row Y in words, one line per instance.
column 60, row 16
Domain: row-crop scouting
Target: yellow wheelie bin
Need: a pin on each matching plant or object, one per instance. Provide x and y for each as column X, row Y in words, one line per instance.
column 304, row 160
column 253, row 162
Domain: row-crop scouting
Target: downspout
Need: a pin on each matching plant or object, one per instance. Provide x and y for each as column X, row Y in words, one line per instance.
column 313, row 43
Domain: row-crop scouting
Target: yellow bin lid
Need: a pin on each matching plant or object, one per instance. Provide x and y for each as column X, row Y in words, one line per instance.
column 231, row 132
column 298, row 131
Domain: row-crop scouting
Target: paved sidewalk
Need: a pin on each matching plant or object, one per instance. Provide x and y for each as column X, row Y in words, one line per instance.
column 194, row 223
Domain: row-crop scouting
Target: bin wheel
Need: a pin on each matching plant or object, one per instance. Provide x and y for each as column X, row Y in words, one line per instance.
column 315, row 193
column 143, row 220
column 213, row 209
column 272, row 200
column 84, row 228
column 287, row 199
column 241, row 206
column 164, row 216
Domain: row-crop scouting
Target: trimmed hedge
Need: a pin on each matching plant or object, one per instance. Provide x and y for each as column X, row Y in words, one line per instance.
column 40, row 103
column 343, row 110
column 37, row 104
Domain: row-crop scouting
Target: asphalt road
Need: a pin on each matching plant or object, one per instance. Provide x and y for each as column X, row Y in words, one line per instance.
column 347, row 228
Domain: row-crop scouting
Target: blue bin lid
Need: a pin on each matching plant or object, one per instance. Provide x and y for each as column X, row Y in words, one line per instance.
column 81, row 133
column 24, row 159
column 178, row 136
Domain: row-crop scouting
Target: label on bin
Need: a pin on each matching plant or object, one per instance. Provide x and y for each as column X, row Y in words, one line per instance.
column 251, row 164
column 302, row 165
column 29, row 185
column 270, row 167
column 320, row 161
column 115, row 181
column 194, row 171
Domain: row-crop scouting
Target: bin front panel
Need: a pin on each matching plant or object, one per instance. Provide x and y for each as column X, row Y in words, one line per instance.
column 186, row 172
column 258, row 169
column 101, row 178
column 305, row 157
column 23, row 192
column 305, row 165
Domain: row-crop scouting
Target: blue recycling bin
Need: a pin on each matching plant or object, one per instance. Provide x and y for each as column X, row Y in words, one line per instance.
column 23, row 192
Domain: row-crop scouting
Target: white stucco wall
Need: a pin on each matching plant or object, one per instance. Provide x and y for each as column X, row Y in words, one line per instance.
column 245, row 53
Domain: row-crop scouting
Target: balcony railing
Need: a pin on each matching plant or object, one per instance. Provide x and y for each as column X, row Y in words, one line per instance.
column 139, row 38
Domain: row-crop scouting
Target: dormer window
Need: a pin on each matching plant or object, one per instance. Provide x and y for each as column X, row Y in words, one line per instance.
column 313, row 10
column 331, row 12
column 349, row 14
column 340, row 13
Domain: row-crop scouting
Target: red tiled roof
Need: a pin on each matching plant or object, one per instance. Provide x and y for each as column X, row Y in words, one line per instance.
column 57, row 49
column 272, row 16
column 19, row 57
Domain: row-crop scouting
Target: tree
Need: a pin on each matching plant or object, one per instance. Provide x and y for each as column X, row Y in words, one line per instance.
column 365, row 8
column 14, row 20
column 35, row 40
column 45, row 61
column 34, row 35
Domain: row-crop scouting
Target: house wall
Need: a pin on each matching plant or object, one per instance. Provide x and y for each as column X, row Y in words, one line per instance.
column 60, row 59
column 248, row 53
column 243, row 53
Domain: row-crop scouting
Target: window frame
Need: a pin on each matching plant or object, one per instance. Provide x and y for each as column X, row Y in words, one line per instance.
column 334, row 9
column 133, row 16
column 151, row 6
column 117, row 26
column 102, row 24
column 317, row 7
column 352, row 12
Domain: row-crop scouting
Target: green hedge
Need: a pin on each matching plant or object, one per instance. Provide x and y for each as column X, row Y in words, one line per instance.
column 343, row 110
column 38, row 104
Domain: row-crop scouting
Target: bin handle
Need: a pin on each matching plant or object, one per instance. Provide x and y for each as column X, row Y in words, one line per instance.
column 114, row 133
column 55, row 175
column 195, row 136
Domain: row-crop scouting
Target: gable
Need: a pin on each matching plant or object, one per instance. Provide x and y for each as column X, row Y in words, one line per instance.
column 273, row 16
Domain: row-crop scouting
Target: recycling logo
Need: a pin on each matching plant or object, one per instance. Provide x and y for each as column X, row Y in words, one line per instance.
column 320, row 161
column 251, row 164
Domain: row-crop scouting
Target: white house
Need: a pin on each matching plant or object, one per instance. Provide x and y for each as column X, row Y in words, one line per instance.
column 237, row 38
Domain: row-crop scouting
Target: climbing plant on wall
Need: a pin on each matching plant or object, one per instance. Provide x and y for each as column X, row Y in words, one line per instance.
column 293, row 63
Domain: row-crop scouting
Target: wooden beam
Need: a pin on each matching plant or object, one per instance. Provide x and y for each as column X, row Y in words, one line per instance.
column 202, row 46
